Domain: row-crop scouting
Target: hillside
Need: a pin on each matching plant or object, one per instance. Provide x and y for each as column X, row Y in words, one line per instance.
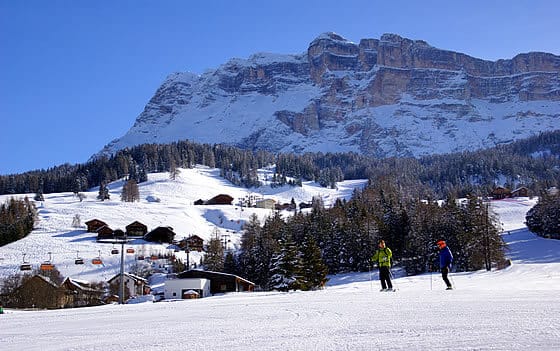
column 517, row 308
column 176, row 208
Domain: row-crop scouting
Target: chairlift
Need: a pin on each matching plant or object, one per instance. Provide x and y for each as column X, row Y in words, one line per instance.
column 141, row 258
column 130, row 250
column 154, row 257
column 78, row 259
column 25, row 266
column 114, row 251
column 47, row 265
column 97, row 260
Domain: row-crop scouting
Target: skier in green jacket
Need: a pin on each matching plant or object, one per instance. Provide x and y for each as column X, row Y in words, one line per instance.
column 382, row 258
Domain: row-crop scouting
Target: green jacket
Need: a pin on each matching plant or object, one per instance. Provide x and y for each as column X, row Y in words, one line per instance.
column 382, row 257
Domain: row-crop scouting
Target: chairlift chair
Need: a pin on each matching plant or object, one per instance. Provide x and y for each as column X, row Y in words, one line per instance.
column 97, row 260
column 47, row 265
column 25, row 266
column 78, row 259
column 115, row 251
column 130, row 250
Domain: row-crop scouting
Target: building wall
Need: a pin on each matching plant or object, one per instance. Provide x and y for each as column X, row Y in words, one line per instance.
column 174, row 287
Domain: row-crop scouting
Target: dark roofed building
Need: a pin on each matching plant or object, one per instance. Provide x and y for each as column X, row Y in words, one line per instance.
column 193, row 243
column 222, row 199
column 105, row 232
column 94, row 224
column 136, row 229
column 161, row 235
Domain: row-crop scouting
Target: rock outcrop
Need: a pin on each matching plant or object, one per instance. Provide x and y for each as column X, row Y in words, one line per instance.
column 386, row 97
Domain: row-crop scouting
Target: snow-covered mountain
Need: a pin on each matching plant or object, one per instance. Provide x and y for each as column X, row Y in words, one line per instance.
column 387, row 96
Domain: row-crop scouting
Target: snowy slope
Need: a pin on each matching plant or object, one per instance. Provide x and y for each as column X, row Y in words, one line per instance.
column 54, row 232
column 514, row 309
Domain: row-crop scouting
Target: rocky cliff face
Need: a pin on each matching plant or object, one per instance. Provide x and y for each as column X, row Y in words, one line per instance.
column 386, row 97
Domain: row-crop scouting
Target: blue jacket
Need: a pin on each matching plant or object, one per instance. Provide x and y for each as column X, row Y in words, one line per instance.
column 445, row 257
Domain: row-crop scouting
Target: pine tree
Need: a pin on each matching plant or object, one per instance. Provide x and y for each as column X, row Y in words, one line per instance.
column 314, row 271
column 286, row 267
column 103, row 192
column 214, row 259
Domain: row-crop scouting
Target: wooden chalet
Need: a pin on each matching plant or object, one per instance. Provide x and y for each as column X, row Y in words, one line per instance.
column 160, row 235
column 94, row 224
column 222, row 199
column 105, row 233
column 500, row 193
column 81, row 293
column 133, row 285
column 520, row 192
column 219, row 282
column 38, row 292
column 136, row 229
column 192, row 243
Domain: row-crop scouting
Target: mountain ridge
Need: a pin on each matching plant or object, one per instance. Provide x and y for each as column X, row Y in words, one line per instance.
column 391, row 96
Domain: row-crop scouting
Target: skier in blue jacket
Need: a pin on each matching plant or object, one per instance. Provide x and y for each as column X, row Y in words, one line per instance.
column 445, row 261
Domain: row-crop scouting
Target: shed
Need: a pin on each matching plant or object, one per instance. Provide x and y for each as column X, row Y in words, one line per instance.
column 136, row 229
column 94, row 224
column 222, row 199
column 184, row 288
column 161, row 235
column 219, row 282
column 266, row 203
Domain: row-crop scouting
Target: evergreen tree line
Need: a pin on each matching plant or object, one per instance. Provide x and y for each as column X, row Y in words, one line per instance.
column 298, row 252
column 532, row 162
column 544, row 218
column 17, row 218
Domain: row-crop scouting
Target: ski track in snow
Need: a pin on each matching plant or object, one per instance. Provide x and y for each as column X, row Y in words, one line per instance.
column 517, row 308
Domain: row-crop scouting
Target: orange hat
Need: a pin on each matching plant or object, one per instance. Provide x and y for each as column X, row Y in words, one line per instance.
column 441, row 243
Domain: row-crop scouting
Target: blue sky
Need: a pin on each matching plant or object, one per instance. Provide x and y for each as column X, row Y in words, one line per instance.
column 74, row 75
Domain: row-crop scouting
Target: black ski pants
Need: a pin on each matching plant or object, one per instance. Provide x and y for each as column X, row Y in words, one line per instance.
column 385, row 277
column 444, row 273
